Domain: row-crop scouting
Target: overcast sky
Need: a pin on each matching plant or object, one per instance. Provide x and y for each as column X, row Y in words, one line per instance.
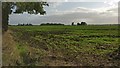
column 105, row 12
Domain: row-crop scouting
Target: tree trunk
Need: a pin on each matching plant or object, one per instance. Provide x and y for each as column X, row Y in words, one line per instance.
column 4, row 21
column 5, row 16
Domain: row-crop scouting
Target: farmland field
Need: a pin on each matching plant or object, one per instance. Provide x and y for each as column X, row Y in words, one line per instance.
column 90, row 45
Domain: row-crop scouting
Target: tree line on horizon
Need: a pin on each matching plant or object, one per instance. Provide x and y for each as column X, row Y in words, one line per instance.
column 51, row 24
column 24, row 24
column 82, row 23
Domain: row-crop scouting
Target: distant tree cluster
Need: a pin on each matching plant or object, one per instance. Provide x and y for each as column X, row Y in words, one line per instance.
column 25, row 24
column 72, row 23
column 52, row 24
column 82, row 23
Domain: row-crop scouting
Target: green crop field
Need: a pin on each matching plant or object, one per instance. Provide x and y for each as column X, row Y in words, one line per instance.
column 66, row 45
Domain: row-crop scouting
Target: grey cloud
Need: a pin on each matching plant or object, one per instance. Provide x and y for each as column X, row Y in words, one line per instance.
column 68, row 17
column 113, row 10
